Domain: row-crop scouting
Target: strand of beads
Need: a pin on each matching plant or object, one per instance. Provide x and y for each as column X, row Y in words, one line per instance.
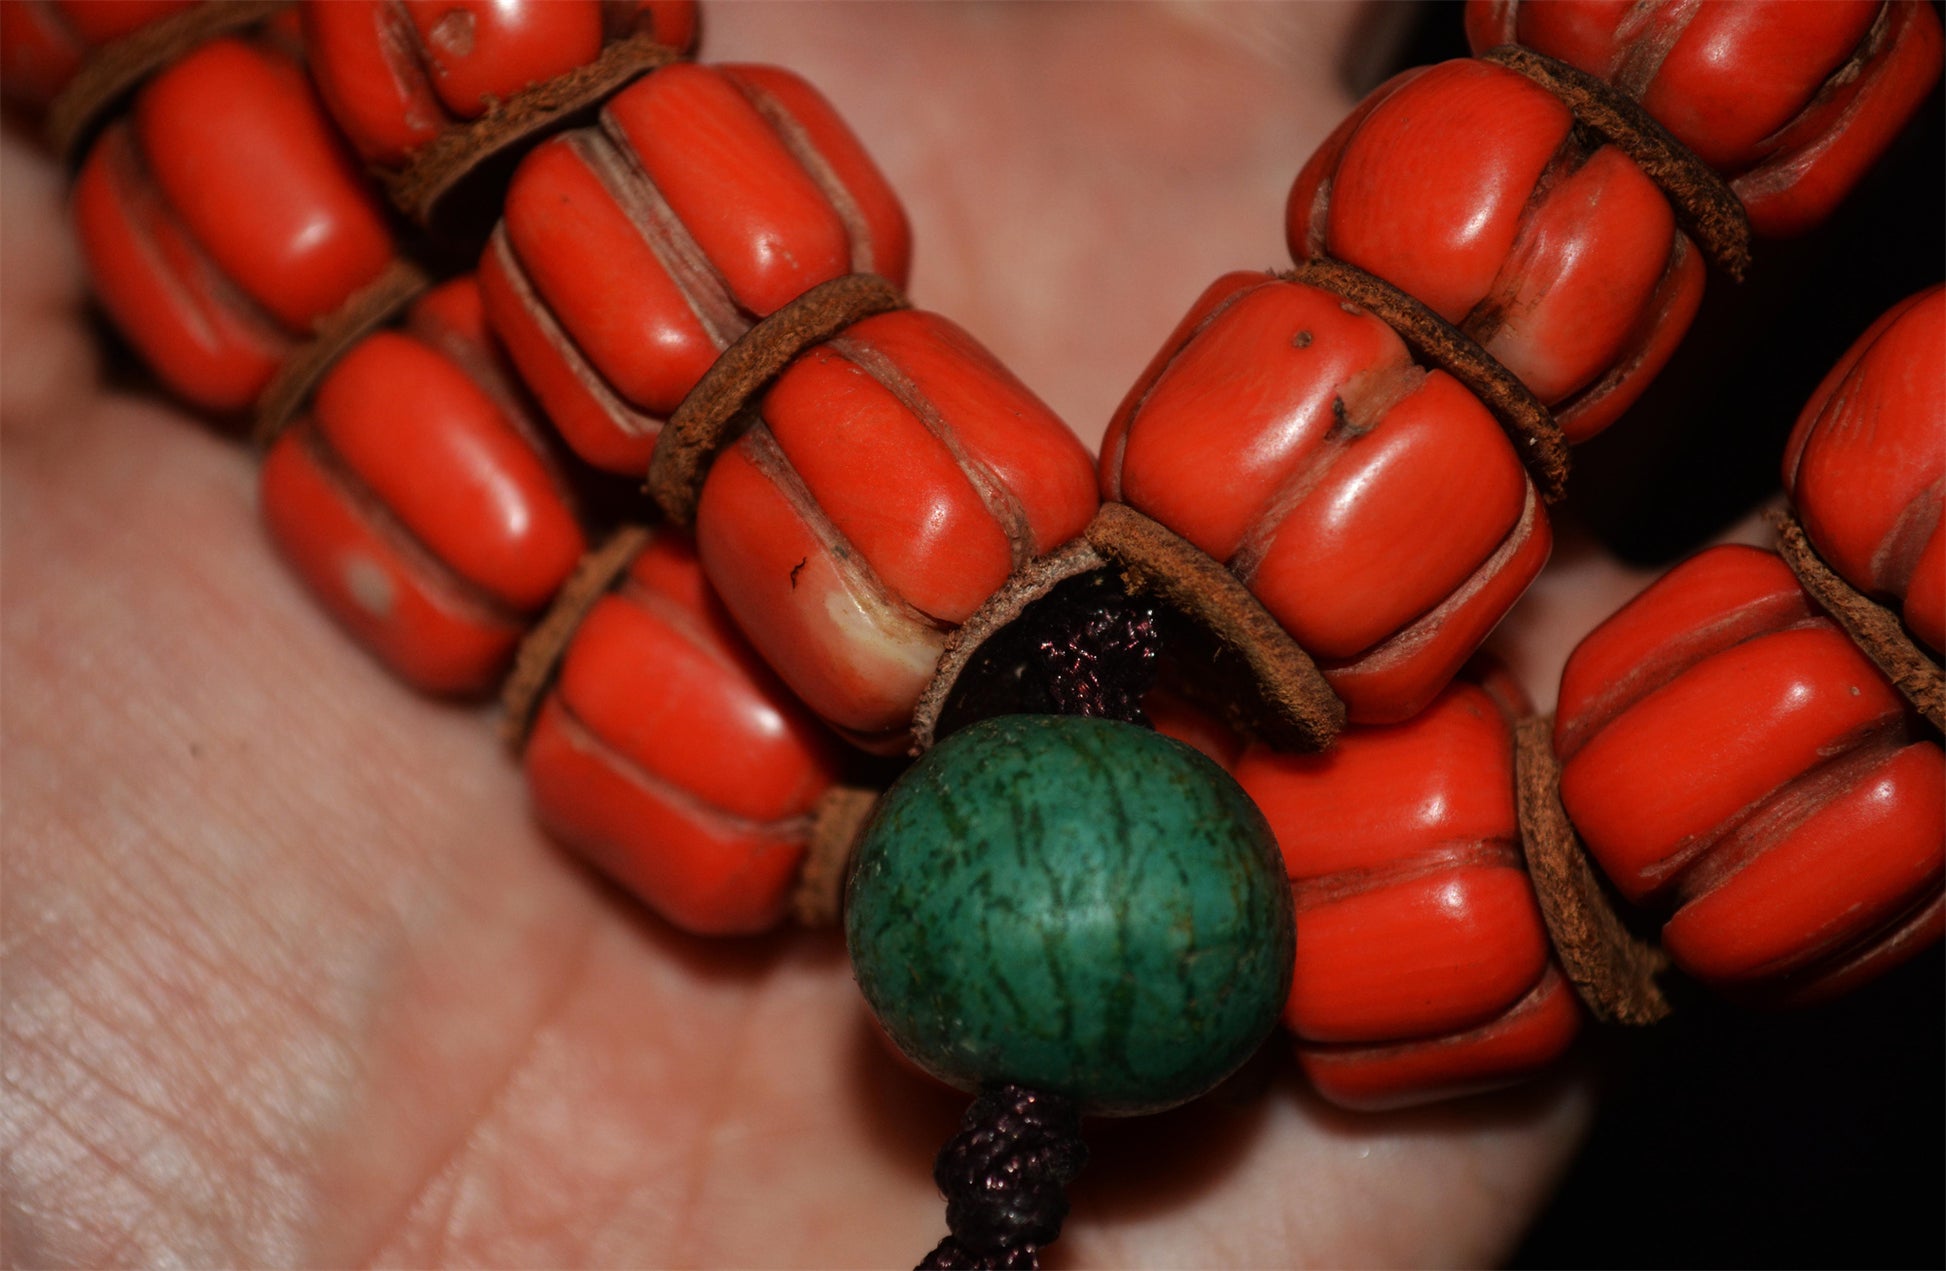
column 895, row 355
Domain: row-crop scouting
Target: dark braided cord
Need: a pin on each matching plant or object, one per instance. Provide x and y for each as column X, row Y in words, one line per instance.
column 1098, row 660
column 1004, row 1176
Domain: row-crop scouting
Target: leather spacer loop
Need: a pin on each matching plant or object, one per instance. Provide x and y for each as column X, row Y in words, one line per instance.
column 117, row 68
column 711, row 417
column 837, row 822
column 539, row 657
column 1708, row 210
column 1874, row 628
column 1537, row 439
column 420, row 189
column 368, row 309
column 1281, row 695
column 1612, row 969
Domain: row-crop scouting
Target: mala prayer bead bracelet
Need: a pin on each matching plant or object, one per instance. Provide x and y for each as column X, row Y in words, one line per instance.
column 1311, row 509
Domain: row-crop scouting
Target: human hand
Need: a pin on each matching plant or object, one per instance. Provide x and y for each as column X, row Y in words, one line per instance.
column 291, row 977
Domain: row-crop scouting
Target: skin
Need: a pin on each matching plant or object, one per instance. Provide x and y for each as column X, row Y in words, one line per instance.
column 291, row 978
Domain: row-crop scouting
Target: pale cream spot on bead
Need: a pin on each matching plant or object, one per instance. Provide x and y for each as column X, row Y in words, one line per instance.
column 902, row 652
column 369, row 585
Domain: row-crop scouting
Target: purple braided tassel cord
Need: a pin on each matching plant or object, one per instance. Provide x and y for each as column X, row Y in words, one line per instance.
column 1100, row 662
column 1004, row 1176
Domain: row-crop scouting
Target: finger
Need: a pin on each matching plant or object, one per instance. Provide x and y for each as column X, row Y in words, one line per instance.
column 51, row 361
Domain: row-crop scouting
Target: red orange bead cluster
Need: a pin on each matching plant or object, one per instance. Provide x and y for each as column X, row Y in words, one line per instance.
column 1362, row 451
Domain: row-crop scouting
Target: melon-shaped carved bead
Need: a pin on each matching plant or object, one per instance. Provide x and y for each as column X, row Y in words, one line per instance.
column 1465, row 186
column 1374, row 507
column 895, row 477
column 44, row 42
column 395, row 73
column 417, row 502
column 1423, row 968
column 1866, row 463
column 1791, row 101
column 1728, row 753
column 671, row 759
column 223, row 219
column 632, row 253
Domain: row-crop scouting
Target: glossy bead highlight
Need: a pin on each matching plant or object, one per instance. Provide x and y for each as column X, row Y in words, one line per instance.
column 1423, row 969
column 396, row 73
column 417, row 501
column 1791, row 101
column 1866, row 464
column 631, row 254
column 670, row 758
column 1561, row 258
column 893, row 479
column 1728, row 753
column 223, row 220
column 1375, row 507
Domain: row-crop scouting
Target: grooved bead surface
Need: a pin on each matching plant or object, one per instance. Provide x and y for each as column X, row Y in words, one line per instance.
column 1727, row 751
column 224, row 219
column 480, row 50
column 894, row 477
column 411, row 618
column 1866, row 463
column 161, row 290
column 44, row 42
column 1375, row 507
column 671, row 759
column 633, row 253
column 239, row 147
column 1558, row 256
column 394, row 73
column 1077, row 905
column 418, row 509
column 1791, row 99
column 461, row 478
column 1423, row 967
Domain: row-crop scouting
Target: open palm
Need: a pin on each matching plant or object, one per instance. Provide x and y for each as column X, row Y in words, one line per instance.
column 290, row 977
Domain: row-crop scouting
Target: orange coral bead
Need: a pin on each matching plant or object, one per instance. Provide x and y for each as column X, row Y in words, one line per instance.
column 1529, row 1037
column 716, row 196
column 224, row 220
column 1565, row 263
column 1376, row 508
column 897, row 474
column 669, row 757
column 162, row 291
column 1866, row 463
column 1728, row 749
column 44, row 42
column 436, row 638
column 363, row 56
column 1790, row 100
column 480, row 51
column 395, row 74
column 38, row 53
column 238, row 146
column 1422, row 964
column 415, row 502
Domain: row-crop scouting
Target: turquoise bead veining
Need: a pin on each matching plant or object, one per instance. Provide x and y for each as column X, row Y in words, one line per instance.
column 1082, row 906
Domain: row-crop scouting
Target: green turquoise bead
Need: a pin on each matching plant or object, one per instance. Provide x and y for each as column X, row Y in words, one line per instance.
column 1078, row 905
